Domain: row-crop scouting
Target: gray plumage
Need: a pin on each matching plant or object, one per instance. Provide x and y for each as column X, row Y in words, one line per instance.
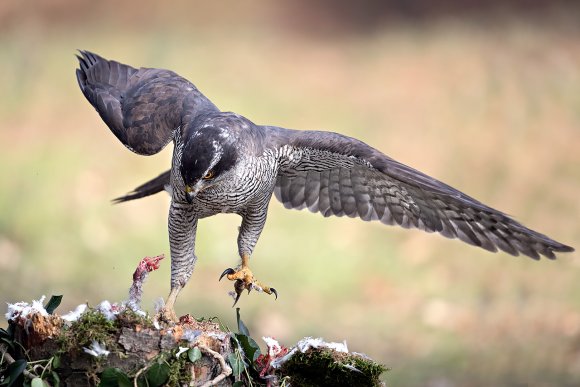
column 322, row 171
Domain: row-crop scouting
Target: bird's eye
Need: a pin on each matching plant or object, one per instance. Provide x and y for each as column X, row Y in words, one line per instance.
column 208, row 175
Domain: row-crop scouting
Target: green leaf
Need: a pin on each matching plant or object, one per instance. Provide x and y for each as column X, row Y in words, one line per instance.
column 236, row 363
column 7, row 336
column 239, row 383
column 55, row 361
column 36, row 382
column 242, row 328
column 158, row 374
column 55, row 379
column 4, row 333
column 109, row 377
column 250, row 347
column 53, row 303
column 124, row 381
column 10, row 330
column 8, row 341
column 194, row 354
column 15, row 370
column 114, row 377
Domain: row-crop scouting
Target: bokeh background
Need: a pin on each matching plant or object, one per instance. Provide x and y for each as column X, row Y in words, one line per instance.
column 482, row 95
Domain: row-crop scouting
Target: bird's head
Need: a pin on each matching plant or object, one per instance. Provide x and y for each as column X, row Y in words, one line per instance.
column 207, row 154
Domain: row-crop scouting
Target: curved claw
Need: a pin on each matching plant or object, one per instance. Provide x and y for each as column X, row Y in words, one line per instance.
column 236, row 300
column 275, row 293
column 239, row 287
column 226, row 272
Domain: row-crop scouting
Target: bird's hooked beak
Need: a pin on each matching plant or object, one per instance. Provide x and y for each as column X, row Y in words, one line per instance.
column 190, row 193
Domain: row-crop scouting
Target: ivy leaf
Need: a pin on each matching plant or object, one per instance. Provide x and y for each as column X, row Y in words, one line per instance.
column 10, row 330
column 9, row 342
column 4, row 334
column 53, row 303
column 37, row 382
column 124, row 381
column 109, row 377
column 7, row 337
column 194, row 354
column 250, row 347
column 157, row 374
column 236, row 363
column 242, row 328
column 114, row 377
column 55, row 379
column 15, row 370
column 55, row 361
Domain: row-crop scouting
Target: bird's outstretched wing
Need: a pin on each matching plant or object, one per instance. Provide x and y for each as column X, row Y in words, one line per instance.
column 338, row 175
column 142, row 107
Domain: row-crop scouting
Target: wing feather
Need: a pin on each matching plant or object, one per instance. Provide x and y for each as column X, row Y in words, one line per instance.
column 142, row 107
column 334, row 192
column 312, row 190
column 296, row 191
column 337, row 175
column 324, row 196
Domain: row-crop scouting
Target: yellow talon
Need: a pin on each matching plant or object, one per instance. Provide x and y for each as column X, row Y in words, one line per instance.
column 244, row 279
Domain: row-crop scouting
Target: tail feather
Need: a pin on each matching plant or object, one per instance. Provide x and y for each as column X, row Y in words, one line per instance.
column 153, row 186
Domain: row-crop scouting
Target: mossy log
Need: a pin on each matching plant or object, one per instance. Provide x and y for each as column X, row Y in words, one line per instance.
column 132, row 350
column 134, row 346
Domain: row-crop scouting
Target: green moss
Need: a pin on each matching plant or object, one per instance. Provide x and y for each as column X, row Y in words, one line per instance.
column 91, row 326
column 94, row 326
column 128, row 318
column 322, row 367
column 179, row 370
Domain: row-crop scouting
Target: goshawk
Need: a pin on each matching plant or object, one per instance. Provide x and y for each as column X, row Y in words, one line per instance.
column 224, row 163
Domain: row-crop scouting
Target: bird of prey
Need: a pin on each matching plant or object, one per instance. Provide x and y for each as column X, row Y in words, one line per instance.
column 224, row 163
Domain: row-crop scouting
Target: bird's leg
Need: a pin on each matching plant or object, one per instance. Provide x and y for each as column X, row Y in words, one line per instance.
column 252, row 224
column 168, row 311
column 245, row 279
column 182, row 229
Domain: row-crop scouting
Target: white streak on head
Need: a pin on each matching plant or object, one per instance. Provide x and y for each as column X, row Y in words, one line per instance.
column 224, row 133
column 218, row 151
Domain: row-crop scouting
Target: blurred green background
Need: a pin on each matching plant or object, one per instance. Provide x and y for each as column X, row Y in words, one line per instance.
column 485, row 98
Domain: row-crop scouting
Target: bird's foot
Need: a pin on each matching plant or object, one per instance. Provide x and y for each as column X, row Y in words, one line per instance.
column 167, row 312
column 167, row 315
column 244, row 280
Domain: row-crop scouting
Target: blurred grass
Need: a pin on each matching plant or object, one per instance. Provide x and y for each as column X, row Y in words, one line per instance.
column 490, row 107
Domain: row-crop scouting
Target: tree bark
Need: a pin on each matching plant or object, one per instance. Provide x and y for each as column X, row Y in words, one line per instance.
column 134, row 346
